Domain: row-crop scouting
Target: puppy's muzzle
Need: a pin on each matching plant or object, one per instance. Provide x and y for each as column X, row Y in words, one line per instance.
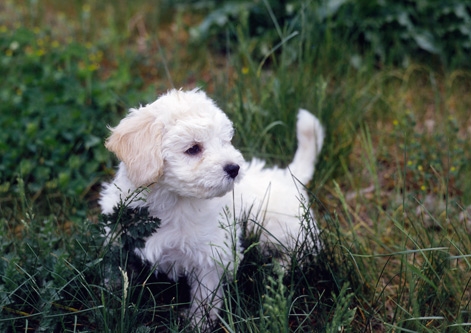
column 232, row 170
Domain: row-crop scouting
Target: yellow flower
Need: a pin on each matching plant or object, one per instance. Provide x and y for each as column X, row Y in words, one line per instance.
column 3, row 29
column 420, row 168
column 395, row 122
column 96, row 57
column 423, row 187
column 245, row 70
column 93, row 67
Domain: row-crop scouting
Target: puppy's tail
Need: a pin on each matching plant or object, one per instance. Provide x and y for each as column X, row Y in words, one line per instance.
column 310, row 134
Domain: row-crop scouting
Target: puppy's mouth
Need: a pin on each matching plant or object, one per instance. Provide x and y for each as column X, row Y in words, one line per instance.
column 225, row 184
column 219, row 191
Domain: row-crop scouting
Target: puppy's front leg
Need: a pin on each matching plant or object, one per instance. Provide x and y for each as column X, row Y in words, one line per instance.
column 206, row 294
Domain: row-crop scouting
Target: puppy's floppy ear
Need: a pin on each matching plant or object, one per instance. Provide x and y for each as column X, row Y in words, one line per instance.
column 137, row 142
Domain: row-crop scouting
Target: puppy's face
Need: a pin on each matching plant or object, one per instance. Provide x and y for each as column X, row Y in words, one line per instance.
column 199, row 159
column 182, row 141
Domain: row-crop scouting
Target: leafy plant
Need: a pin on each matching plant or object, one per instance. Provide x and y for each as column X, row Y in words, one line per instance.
column 131, row 226
column 53, row 112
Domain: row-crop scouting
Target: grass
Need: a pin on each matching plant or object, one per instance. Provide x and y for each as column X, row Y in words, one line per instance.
column 391, row 191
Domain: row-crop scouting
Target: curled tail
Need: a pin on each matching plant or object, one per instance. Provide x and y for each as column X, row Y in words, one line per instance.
column 310, row 134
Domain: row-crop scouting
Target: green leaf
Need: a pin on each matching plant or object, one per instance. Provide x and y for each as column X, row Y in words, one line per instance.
column 426, row 41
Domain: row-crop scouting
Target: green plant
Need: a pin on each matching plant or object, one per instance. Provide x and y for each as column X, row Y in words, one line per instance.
column 46, row 280
column 275, row 308
column 343, row 315
column 54, row 111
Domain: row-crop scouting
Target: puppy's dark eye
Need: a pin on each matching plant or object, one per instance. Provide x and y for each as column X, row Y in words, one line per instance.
column 194, row 150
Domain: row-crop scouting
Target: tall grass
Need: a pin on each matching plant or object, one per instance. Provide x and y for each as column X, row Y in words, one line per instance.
column 390, row 193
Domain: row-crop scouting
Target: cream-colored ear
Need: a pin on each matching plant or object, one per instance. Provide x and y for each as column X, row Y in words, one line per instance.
column 137, row 142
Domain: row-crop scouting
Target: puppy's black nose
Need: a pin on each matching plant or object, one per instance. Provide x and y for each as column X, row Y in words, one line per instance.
column 232, row 170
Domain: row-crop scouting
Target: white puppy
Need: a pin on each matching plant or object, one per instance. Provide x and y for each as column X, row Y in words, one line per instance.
column 180, row 148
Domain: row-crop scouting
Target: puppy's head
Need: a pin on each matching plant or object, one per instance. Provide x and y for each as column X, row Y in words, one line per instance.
column 182, row 141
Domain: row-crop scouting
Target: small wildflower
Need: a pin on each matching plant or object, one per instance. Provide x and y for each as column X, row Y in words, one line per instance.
column 86, row 8
column 14, row 45
column 452, row 169
column 96, row 57
column 55, row 44
column 3, row 29
column 409, row 163
column 420, row 168
column 245, row 70
column 395, row 122
column 423, row 187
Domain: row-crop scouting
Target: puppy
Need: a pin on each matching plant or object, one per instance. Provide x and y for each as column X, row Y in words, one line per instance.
column 199, row 186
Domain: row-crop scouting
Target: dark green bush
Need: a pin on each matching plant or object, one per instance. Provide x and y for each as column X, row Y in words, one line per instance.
column 399, row 31
column 395, row 31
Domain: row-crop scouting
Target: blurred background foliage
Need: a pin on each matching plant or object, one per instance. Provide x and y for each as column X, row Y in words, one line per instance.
column 395, row 31
column 67, row 72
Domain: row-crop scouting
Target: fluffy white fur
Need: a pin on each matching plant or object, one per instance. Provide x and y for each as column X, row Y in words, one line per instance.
column 199, row 185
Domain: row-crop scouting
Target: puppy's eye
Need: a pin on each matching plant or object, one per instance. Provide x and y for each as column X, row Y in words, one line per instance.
column 194, row 150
